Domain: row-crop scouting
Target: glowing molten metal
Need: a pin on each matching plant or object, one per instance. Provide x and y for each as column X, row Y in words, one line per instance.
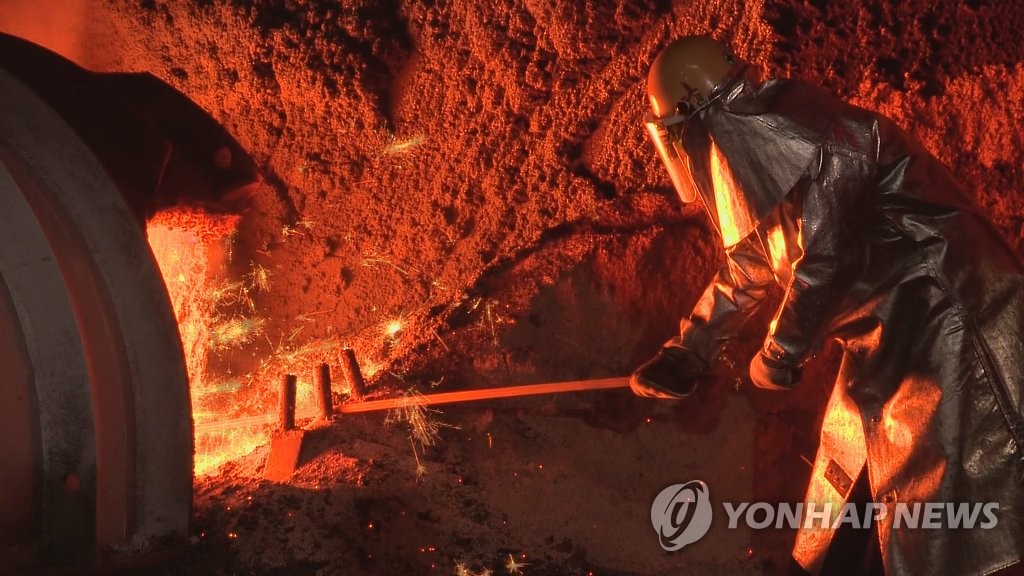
column 192, row 247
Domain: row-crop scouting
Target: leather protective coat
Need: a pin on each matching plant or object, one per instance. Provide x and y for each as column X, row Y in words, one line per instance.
column 875, row 246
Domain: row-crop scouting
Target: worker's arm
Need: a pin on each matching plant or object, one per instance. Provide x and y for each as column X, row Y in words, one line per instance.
column 729, row 300
column 733, row 296
column 832, row 238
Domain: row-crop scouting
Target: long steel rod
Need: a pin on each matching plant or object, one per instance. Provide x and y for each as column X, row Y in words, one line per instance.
column 485, row 394
column 429, row 400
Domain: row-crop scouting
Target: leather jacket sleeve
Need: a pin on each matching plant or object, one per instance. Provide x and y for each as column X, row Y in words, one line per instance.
column 832, row 245
column 733, row 296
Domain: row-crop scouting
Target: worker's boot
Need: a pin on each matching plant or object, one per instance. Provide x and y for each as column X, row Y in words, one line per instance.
column 672, row 373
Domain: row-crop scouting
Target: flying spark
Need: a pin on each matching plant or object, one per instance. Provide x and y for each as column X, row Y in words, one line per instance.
column 514, row 567
column 392, row 328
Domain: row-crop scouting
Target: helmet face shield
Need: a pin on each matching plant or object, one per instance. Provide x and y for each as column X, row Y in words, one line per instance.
column 666, row 135
column 699, row 169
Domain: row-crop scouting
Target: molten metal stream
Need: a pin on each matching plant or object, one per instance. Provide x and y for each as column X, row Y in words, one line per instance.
column 432, row 399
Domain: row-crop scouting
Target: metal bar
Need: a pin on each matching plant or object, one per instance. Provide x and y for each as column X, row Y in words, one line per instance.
column 324, row 401
column 286, row 406
column 485, row 394
column 353, row 375
column 429, row 400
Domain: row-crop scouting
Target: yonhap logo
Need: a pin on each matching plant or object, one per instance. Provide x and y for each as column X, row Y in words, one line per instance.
column 681, row 514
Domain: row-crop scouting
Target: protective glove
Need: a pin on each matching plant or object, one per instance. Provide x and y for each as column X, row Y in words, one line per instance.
column 673, row 373
column 771, row 374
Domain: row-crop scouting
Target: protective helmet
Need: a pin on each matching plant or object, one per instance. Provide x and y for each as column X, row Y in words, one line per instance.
column 683, row 79
column 741, row 160
column 686, row 73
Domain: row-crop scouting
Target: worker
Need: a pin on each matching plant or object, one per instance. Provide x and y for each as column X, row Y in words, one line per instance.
column 875, row 246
